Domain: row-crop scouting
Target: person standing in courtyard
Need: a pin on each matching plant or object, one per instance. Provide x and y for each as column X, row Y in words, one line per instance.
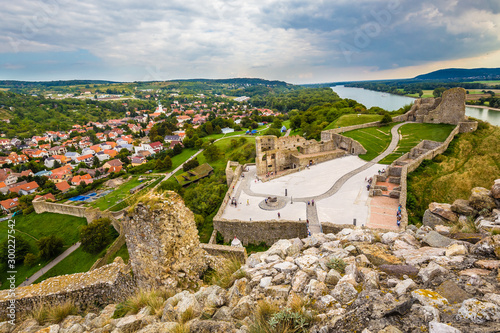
column 279, row 215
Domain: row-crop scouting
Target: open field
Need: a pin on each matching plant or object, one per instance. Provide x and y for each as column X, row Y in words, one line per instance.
column 490, row 83
column 374, row 139
column 353, row 119
column 412, row 134
column 471, row 160
column 35, row 226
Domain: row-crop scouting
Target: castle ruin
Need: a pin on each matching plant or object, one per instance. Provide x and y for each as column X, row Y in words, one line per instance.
column 294, row 152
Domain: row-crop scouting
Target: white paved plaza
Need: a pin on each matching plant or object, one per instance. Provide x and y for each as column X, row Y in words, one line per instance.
column 351, row 201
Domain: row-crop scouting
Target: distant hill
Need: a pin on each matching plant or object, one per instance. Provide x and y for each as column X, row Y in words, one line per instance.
column 250, row 81
column 461, row 74
column 25, row 84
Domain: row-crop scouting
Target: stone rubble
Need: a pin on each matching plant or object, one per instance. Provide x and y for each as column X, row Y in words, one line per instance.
column 357, row 280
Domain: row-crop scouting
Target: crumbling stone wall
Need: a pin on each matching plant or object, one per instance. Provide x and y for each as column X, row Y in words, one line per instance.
column 163, row 242
column 109, row 284
column 448, row 109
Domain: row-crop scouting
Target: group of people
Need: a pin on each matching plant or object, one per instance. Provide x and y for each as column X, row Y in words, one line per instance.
column 398, row 215
column 369, row 181
column 380, row 172
column 310, row 202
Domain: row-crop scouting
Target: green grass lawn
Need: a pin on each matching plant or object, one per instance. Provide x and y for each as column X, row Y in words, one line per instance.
column 412, row 134
column 374, row 139
column 122, row 252
column 490, row 83
column 35, row 226
column 353, row 119
column 118, row 194
column 77, row 262
column 427, row 94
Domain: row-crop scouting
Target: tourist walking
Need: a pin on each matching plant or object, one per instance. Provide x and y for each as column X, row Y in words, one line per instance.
column 279, row 215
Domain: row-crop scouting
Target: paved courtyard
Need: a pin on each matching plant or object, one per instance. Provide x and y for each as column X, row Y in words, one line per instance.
column 351, row 201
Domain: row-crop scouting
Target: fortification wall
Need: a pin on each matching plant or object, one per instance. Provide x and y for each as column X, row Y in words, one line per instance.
column 109, row 284
column 227, row 251
column 255, row 232
column 41, row 206
column 230, row 172
column 411, row 166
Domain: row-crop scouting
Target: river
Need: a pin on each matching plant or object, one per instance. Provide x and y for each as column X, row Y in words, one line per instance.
column 392, row 102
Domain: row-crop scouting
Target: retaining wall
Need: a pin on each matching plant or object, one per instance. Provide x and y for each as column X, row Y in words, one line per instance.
column 255, row 232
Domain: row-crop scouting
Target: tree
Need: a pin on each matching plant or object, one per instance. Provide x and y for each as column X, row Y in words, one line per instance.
column 49, row 246
column 177, row 149
column 167, row 161
column 276, row 124
column 191, row 164
column 438, row 92
column 95, row 236
column 22, row 248
column 30, row 259
column 212, row 153
column 209, row 128
column 217, row 129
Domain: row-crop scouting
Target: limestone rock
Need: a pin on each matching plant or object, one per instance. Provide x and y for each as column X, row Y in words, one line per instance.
column 390, row 329
column 243, row 308
column 212, row 296
column 443, row 210
column 389, row 237
column 480, row 199
column 404, row 286
column 159, row 327
column 431, row 220
column 299, row 281
column 223, row 313
column 488, row 246
column 435, row 239
column 488, row 264
column 209, row 326
column 419, row 256
column 452, row 292
column 475, row 311
column 130, row 323
column 455, row 250
column 495, row 189
column 428, row 297
column 378, row 254
column 443, row 230
column 400, row 270
column 344, row 292
column 163, row 243
column 462, row 207
column 332, row 277
column 280, row 248
column 187, row 302
column 435, row 327
column 307, row 263
column 432, row 270
column 286, row 267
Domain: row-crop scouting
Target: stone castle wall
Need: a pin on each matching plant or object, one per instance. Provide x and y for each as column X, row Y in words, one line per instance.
column 42, row 206
column 255, row 232
column 112, row 283
column 227, row 251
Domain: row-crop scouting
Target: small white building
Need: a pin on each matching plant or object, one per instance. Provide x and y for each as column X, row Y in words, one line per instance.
column 227, row 130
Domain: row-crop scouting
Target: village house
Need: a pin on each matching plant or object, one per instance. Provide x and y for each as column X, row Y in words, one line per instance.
column 87, row 159
column 63, row 186
column 76, row 180
column 9, row 205
column 24, row 189
column 112, row 163
column 58, row 150
column 137, row 160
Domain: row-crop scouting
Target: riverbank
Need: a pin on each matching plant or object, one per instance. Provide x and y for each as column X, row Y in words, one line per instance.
column 482, row 107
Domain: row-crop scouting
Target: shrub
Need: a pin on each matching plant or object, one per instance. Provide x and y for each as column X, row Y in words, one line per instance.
column 49, row 246
column 386, row 119
column 191, row 164
column 153, row 299
column 39, row 313
column 22, row 248
column 269, row 318
column 337, row 264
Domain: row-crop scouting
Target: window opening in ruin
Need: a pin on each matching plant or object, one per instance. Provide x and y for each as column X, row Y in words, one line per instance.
column 273, row 156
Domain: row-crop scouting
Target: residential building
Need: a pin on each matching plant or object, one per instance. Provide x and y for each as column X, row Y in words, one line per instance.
column 63, row 186
column 24, row 189
column 9, row 205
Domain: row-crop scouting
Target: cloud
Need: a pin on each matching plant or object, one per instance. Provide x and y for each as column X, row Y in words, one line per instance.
column 276, row 39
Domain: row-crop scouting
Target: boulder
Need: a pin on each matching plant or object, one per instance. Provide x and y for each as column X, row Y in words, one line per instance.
column 209, row 326
column 286, row 267
column 344, row 292
column 435, row 239
column 390, row 329
column 488, row 264
column 461, row 207
column 452, row 292
column 435, row 327
column 443, row 210
column 243, row 309
column 332, row 277
column 188, row 302
column 299, row 281
column 456, row 249
column 280, row 248
column 399, row 270
column 404, row 286
column 495, row 189
column 431, row 220
column 421, row 255
column 430, row 272
column 159, row 327
column 480, row 199
column 477, row 312
column 442, row 229
column 428, row 297
column 130, row 323
column 378, row 254
column 488, row 246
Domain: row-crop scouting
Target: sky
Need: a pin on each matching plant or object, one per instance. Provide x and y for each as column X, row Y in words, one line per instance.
column 296, row 41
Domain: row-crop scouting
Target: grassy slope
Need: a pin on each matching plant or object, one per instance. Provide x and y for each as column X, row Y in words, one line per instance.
column 374, row 139
column 41, row 225
column 473, row 159
column 412, row 134
column 353, row 119
column 118, row 194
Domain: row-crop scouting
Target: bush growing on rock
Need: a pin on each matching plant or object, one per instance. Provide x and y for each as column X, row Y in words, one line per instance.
column 337, row 264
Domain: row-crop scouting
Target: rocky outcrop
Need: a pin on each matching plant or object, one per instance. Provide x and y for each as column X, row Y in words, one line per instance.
column 163, row 242
column 352, row 281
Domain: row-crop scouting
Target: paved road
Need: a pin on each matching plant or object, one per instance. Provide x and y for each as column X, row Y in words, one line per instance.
column 51, row 264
